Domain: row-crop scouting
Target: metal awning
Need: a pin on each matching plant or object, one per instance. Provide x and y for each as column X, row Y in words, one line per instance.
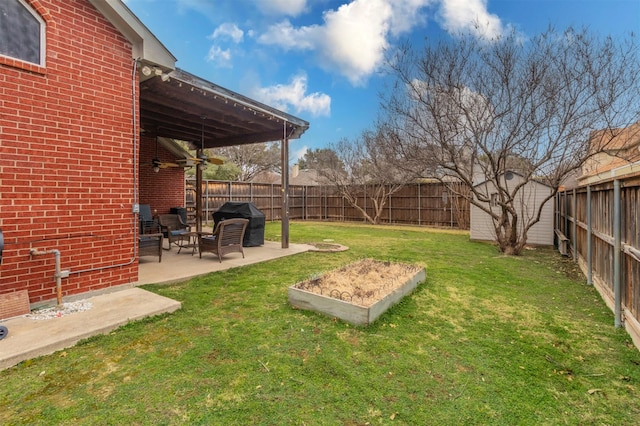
column 182, row 106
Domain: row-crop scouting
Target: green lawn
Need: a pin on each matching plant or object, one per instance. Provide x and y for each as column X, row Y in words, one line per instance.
column 486, row 339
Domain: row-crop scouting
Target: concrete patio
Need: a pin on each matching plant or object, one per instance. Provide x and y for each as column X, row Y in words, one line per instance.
column 187, row 264
column 28, row 338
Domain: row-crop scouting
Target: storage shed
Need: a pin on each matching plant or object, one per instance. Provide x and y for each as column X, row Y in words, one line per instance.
column 528, row 200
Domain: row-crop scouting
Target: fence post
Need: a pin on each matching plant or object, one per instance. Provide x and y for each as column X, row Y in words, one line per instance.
column 365, row 202
column 616, row 254
column 574, row 230
column 589, row 243
column 419, row 205
column 558, row 212
column 450, row 212
column 272, row 202
column 566, row 214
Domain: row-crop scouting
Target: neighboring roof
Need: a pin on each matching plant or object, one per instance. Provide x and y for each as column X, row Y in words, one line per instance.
column 146, row 47
column 303, row 177
column 616, row 140
column 182, row 106
column 617, row 153
column 306, row 177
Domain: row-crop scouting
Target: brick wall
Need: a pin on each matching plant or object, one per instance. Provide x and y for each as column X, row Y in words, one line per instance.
column 66, row 157
column 164, row 189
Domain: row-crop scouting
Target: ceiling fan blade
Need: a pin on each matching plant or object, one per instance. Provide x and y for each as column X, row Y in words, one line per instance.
column 167, row 165
column 163, row 165
column 210, row 160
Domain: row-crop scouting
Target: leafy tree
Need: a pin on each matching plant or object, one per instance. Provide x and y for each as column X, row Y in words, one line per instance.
column 252, row 159
column 224, row 171
column 469, row 110
column 316, row 159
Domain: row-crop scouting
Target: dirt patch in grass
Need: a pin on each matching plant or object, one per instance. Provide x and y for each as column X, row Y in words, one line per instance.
column 328, row 247
column 364, row 282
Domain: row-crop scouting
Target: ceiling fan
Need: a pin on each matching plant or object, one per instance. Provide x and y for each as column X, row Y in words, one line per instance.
column 157, row 164
column 203, row 158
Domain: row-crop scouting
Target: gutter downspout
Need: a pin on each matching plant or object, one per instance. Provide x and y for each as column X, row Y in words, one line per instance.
column 134, row 226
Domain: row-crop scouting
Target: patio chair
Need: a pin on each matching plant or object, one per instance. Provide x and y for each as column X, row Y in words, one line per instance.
column 174, row 229
column 226, row 238
column 150, row 245
column 147, row 224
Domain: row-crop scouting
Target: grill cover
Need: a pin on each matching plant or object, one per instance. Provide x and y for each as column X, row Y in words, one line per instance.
column 254, row 235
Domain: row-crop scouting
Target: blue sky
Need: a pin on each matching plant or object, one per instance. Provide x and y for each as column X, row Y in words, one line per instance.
column 321, row 60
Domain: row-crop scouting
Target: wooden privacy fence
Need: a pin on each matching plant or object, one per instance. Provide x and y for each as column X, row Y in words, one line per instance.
column 602, row 225
column 418, row 204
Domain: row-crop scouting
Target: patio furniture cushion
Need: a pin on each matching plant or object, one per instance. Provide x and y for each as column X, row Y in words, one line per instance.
column 174, row 229
column 226, row 238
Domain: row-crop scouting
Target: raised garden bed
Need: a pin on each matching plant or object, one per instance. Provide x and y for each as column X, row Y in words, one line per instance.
column 357, row 293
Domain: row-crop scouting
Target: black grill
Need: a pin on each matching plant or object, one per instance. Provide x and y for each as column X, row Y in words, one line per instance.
column 254, row 235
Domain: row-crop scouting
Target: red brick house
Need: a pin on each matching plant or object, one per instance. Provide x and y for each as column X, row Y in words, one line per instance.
column 85, row 90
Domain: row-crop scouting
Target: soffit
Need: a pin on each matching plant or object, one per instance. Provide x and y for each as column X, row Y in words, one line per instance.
column 182, row 106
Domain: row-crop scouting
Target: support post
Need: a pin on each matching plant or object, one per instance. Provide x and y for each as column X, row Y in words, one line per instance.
column 616, row 255
column 284, row 158
column 199, row 193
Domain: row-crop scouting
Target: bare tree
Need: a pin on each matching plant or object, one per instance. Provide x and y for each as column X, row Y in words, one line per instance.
column 361, row 172
column 468, row 110
column 252, row 159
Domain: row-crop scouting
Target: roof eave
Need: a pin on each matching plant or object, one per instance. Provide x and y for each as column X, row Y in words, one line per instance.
column 146, row 47
column 184, row 76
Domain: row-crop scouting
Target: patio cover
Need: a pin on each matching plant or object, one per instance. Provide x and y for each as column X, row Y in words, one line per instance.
column 180, row 105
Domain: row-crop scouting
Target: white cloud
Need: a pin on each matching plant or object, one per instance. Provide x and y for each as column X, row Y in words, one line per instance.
column 285, row 35
column 470, row 15
column 355, row 37
column 221, row 57
column 282, row 7
column 352, row 39
column 299, row 153
column 407, row 14
column 295, row 95
column 228, row 31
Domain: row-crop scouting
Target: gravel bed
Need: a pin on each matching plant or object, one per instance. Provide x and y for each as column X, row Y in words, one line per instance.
column 58, row 312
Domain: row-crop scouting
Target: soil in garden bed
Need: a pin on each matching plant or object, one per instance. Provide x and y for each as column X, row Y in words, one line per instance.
column 362, row 283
